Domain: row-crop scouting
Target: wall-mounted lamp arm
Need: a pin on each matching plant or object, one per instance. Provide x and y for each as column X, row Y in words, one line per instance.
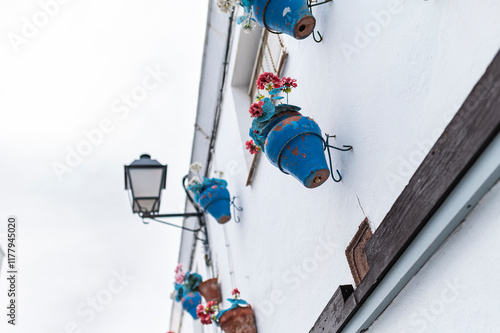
column 167, row 223
column 152, row 216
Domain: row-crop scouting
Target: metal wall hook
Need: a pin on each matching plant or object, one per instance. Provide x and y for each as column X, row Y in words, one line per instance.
column 346, row 147
column 310, row 4
column 320, row 37
column 340, row 176
column 235, row 208
column 327, row 147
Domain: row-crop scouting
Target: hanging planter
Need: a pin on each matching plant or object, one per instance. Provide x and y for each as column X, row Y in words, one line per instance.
column 210, row 290
column 293, row 143
column 186, row 285
column 239, row 318
column 215, row 199
column 212, row 195
column 189, row 288
column 291, row 17
column 190, row 301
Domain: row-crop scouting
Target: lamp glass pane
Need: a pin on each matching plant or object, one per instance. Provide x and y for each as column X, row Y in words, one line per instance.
column 146, row 182
column 145, row 205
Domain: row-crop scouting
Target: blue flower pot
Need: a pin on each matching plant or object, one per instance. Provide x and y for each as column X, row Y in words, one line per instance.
column 215, row 200
column 294, row 145
column 291, row 17
column 190, row 301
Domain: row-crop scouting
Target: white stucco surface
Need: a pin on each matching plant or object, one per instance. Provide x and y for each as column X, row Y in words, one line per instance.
column 457, row 290
column 390, row 100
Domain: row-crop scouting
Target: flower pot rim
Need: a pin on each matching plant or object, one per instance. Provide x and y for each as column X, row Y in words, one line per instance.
column 247, row 306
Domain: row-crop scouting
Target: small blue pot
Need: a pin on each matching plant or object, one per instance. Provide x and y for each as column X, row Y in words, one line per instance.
column 294, row 145
column 291, row 17
column 215, row 200
column 190, row 301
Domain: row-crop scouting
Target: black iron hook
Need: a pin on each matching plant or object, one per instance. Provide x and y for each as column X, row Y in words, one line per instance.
column 320, row 37
column 311, row 5
column 235, row 208
column 327, row 147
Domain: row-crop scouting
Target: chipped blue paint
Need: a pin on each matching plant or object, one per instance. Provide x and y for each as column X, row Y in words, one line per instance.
column 190, row 301
column 215, row 200
column 294, row 145
column 235, row 303
column 282, row 15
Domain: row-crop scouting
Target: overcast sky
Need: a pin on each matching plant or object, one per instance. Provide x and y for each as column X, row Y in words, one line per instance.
column 84, row 91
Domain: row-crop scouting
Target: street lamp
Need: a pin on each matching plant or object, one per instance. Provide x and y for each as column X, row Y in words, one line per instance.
column 145, row 178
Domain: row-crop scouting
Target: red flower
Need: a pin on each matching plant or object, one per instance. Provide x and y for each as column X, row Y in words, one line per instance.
column 256, row 109
column 289, row 82
column 268, row 81
column 254, row 149
column 205, row 319
column 236, row 292
column 205, row 312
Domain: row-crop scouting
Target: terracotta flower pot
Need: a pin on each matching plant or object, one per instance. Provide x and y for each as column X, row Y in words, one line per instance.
column 294, row 145
column 209, row 289
column 190, row 301
column 238, row 320
column 215, row 200
column 291, row 17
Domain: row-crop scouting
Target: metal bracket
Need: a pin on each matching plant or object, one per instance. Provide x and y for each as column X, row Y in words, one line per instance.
column 235, row 208
column 311, row 4
column 154, row 218
column 327, row 147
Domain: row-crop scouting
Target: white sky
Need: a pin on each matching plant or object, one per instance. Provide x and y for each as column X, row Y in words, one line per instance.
column 73, row 233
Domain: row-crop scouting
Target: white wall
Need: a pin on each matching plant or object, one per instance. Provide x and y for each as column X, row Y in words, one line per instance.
column 457, row 290
column 390, row 100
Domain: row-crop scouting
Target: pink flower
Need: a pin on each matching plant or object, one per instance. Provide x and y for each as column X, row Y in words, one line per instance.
column 268, row 81
column 253, row 149
column 210, row 307
column 236, row 292
column 256, row 109
column 178, row 268
column 289, row 82
column 179, row 277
